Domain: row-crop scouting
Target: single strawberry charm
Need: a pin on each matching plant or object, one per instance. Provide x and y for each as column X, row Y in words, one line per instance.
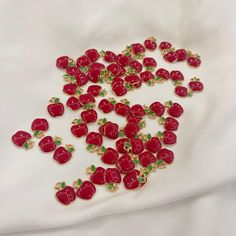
column 193, row 60
column 83, row 61
column 108, row 56
column 132, row 81
column 162, row 74
column 137, row 49
column 158, row 108
column 174, row 109
column 92, row 54
column 63, row 154
column 89, row 116
column 94, row 74
column 170, row 56
column 73, row 103
column 112, row 178
column 119, row 90
column 97, row 174
column 22, row 139
column 131, row 118
column 146, row 158
column 81, row 78
column 135, row 67
column 94, row 138
column 56, row 108
column 64, row 62
column 72, row 70
column 48, row 144
column 114, row 69
column 65, row 194
column 86, row 98
column 131, row 180
column 85, row 189
column 110, row 156
column 150, row 43
column 136, row 145
column 123, row 60
column 79, row 129
column 107, row 105
column 108, row 129
column 137, row 111
column 70, row 89
column 121, row 146
column 153, row 144
column 131, row 129
column 122, row 109
column 150, row 63
column 167, row 137
column 125, row 164
column 96, row 90
column 97, row 65
column 195, row 85
column 182, row 91
column 147, row 76
column 39, row 126
column 165, row 45
column 169, row 123
column 176, row 75
column 181, row 54
column 165, row 155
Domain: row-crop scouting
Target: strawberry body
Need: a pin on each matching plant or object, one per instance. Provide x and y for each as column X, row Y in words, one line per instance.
column 181, row 91
column 109, row 56
column 137, row 49
column 123, row 60
column 110, row 130
column 81, row 78
column 89, row 116
column 73, row 103
column 86, row 190
column 165, row 45
column 146, row 76
column 122, row 109
column 112, row 175
column 196, row 86
column 158, row 108
column 125, row 164
column 137, row 111
column 62, row 155
column 86, row 98
column 94, row 139
column 47, row 144
column 131, row 181
column 92, row 54
column 136, row 65
column 149, row 62
column 79, row 130
column 110, row 156
column 150, row 44
column 170, row 56
column 40, row 124
column 166, row 155
column 146, row 158
column 131, row 129
column 181, row 54
column 163, row 74
column 194, row 61
column 133, row 80
column 94, row 74
column 70, row 89
column 20, row 138
column 153, row 145
column 63, row 62
column 97, row 176
column 120, row 145
column 171, row 124
column 83, row 61
column 175, row 110
column 66, row 195
column 56, row 108
column 176, row 75
column 106, row 106
column 136, row 145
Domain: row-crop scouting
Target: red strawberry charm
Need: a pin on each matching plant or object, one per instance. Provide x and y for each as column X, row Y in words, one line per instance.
column 96, row 90
column 108, row 56
column 150, row 63
column 123, row 60
column 122, row 109
column 195, row 85
column 137, row 111
column 48, row 144
column 94, row 74
column 165, row 155
column 85, row 189
column 181, row 54
column 73, row 103
column 119, row 90
column 146, row 158
column 39, row 126
column 81, row 78
column 86, row 98
column 110, row 156
column 94, row 138
column 153, row 144
column 174, row 109
column 97, row 174
column 114, row 69
column 79, row 128
column 137, row 49
column 112, row 178
column 147, row 76
column 169, row 123
column 89, row 116
column 176, row 75
column 132, row 81
column 55, row 108
column 167, row 137
column 125, row 164
column 70, row 89
column 162, row 74
column 121, row 146
column 131, row 180
column 97, row 65
column 165, row 45
column 158, row 108
column 131, row 118
column 193, row 60
column 182, row 91
column 64, row 62
column 108, row 129
column 22, row 139
column 132, row 128
column 107, row 105
column 150, row 43
column 83, row 61
column 92, row 54
column 65, row 194
column 63, row 154
column 135, row 67
column 170, row 56
column 136, row 145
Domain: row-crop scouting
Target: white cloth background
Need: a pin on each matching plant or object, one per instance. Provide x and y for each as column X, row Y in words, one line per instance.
column 196, row 195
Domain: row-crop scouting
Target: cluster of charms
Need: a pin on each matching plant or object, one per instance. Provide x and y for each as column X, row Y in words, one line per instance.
column 124, row 72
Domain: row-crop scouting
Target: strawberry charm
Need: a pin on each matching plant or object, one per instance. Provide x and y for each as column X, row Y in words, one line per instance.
column 182, row 91
column 162, row 74
column 79, row 129
column 97, row 174
column 131, row 180
column 152, row 144
column 121, row 146
column 137, row 111
column 110, row 156
column 64, row 62
column 112, row 179
column 169, row 123
column 149, row 63
column 132, row 81
column 150, row 43
column 85, row 189
column 56, row 108
column 158, row 108
column 125, row 164
column 147, row 77
column 146, row 158
column 86, row 98
column 193, row 60
column 136, row 145
column 195, row 85
column 65, row 194
column 176, row 75
column 170, row 55
column 94, row 138
column 119, row 90
column 135, row 67
column 83, row 61
column 108, row 129
column 73, row 103
column 39, row 126
column 96, row 90
column 63, row 154
column 165, row 45
column 22, row 139
column 123, row 60
column 89, row 116
column 167, row 137
column 106, row 105
column 108, row 56
column 137, row 49
column 92, row 54
column 70, row 89
column 165, row 155
column 131, row 129
column 181, row 54
column 122, row 109
column 174, row 109
column 48, row 144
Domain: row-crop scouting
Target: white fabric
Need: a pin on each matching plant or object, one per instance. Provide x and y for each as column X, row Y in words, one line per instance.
column 194, row 196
